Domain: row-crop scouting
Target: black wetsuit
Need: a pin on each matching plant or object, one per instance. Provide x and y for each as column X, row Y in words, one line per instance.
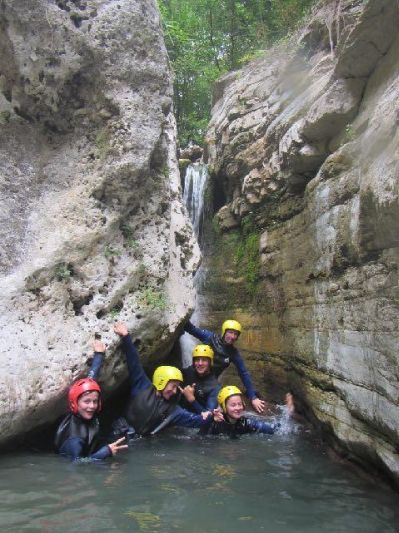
column 205, row 391
column 147, row 409
column 242, row 426
column 78, row 438
column 224, row 354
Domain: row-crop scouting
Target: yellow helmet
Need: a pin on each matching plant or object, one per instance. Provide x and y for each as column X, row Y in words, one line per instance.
column 164, row 374
column 225, row 393
column 231, row 324
column 203, row 350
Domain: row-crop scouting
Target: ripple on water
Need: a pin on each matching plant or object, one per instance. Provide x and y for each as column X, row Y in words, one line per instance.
column 284, row 483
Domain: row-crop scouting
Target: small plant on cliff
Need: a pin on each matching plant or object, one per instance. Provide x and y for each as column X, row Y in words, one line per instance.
column 102, row 141
column 166, row 171
column 247, row 256
column 247, row 260
column 114, row 312
column 349, row 134
column 128, row 233
column 152, row 299
column 63, row 271
column 111, row 252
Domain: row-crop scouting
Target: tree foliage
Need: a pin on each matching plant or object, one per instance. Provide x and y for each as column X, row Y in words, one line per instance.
column 206, row 38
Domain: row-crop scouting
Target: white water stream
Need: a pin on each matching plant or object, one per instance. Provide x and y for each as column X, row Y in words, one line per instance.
column 195, row 183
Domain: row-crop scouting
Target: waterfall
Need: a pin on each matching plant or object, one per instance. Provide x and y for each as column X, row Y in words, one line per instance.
column 195, row 183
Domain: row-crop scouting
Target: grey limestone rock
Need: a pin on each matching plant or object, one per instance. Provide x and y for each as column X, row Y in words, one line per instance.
column 318, row 173
column 92, row 223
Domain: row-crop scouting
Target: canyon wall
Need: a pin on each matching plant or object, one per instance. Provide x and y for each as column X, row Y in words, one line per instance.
column 92, row 224
column 303, row 149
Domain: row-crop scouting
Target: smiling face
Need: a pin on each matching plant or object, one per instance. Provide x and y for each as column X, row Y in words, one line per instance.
column 170, row 389
column 230, row 336
column 234, row 407
column 202, row 365
column 88, row 404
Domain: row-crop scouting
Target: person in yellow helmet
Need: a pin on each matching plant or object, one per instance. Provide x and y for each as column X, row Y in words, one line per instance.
column 200, row 386
column 226, row 353
column 231, row 403
column 154, row 405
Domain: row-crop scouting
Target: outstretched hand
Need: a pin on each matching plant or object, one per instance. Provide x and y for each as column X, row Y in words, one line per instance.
column 99, row 346
column 258, row 405
column 116, row 446
column 121, row 329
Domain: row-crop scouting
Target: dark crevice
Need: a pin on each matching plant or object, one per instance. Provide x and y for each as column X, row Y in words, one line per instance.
column 80, row 302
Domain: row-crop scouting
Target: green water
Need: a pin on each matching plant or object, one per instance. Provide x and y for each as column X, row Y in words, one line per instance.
column 180, row 481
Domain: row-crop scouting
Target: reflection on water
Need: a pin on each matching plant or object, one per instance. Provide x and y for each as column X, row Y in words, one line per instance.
column 176, row 481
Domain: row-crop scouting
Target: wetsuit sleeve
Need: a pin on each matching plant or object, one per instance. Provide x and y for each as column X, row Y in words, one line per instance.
column 72, row 448
column 212, row 400
column 184, row 418
column 244, row 375
column 202, row 335
column 96, row 365
column 137, row 376
column 260, row 426
column 198, row 408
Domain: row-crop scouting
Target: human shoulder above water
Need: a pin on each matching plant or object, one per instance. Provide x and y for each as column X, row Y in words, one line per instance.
column 234, row 422
column 77, row 436
column 200, row 385
column 153, row 404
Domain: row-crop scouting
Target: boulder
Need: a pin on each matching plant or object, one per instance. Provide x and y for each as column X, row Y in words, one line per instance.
column 92, row 223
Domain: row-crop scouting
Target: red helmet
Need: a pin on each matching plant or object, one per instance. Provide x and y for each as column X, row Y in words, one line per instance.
column 80, row 387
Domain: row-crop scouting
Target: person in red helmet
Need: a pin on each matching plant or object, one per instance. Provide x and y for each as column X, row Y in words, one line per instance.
column 77, row 434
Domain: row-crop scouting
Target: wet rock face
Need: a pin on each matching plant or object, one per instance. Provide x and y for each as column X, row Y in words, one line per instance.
column 92, row 227
column 305, row 143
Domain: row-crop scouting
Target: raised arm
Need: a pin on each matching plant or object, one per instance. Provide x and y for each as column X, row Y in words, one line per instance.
column 244, row 375
column 96, row 364
column 257, row 404
column 137, row 376
column 201, row 334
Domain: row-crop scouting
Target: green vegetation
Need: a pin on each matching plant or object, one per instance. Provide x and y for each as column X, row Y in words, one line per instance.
column 349, row 134
column 63, row 271
column 102, row 141
column 128, row 235
column 153, row 299
column 207, row 38
column 114, row 312
column 247, row 259
column 242, row 245
column 111, row 252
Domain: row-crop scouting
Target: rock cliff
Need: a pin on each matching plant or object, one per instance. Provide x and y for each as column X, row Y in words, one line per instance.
column 303, row 147
column 92, row 224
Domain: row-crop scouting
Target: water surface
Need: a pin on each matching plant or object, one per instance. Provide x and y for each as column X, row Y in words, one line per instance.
column 180, row 481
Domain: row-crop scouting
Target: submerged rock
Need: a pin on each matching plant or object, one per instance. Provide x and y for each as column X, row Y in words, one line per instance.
column 92, row 223
column 305, row 144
